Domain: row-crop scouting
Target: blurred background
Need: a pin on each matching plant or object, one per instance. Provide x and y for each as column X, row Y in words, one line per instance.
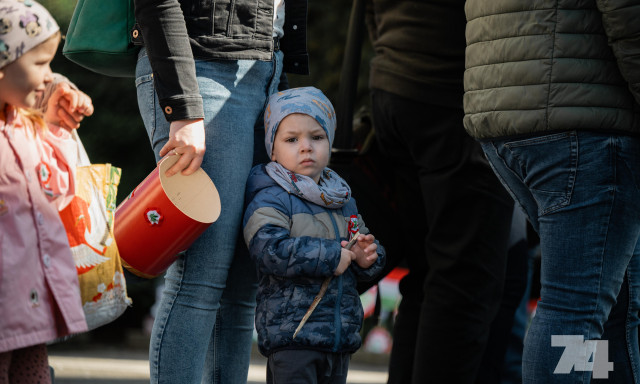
column 115, row 133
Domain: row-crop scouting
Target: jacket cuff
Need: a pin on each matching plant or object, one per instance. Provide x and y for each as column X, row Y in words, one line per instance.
column 182, row 108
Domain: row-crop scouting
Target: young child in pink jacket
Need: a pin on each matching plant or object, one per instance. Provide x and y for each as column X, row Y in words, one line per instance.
column 39, row 295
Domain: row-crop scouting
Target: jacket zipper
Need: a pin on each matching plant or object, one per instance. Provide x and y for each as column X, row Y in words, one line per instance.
column 336, row 308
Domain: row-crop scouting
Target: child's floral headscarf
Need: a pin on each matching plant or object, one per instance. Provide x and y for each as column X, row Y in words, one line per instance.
column 23, row 25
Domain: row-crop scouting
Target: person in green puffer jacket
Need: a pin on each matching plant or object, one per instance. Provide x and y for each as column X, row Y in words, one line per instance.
column 552, row 92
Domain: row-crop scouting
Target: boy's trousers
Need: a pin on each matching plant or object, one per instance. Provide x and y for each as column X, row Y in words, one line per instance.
column 301, row 366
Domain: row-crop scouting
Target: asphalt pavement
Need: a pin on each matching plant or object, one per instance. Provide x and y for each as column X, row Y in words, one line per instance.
column 82, row 360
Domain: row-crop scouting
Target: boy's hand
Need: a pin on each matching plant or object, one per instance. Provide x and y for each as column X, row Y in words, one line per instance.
column 67, row 107
column 346, row 257
column 365, row 250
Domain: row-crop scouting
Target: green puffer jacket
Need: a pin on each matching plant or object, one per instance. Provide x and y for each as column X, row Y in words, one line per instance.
column 552, row 65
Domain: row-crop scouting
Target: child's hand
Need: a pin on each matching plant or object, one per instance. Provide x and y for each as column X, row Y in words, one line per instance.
column 67, row 107
column 346, row 257
column 365, row 250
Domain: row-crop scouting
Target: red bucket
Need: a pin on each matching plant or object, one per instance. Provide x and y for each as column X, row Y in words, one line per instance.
column 162, row 217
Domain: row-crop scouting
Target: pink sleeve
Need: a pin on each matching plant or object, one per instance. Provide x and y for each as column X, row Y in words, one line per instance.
column 59, row 156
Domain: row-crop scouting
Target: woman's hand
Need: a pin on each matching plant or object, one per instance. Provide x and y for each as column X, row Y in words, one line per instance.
column 186, row 139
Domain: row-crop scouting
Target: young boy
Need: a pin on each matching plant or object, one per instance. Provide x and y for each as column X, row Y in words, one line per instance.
column 299, row 217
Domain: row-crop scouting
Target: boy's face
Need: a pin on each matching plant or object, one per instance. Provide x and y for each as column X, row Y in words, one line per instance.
column 23, row 80
column 301, row 146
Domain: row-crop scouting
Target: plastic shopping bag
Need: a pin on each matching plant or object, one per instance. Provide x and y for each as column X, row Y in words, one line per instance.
column 88, row 220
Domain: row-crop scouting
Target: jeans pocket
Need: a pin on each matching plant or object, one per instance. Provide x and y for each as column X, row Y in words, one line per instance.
column 547, row 165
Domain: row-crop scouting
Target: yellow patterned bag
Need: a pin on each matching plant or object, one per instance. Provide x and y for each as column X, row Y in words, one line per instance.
column 88, row 220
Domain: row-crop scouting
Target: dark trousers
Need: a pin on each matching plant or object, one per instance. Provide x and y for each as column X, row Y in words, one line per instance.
column 455, row 218
column 295, row 366
column 501, row 336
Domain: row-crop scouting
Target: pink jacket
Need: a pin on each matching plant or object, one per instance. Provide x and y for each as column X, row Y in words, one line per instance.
column 39, row 294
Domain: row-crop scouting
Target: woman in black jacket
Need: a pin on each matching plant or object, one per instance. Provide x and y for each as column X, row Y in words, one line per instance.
column 203, row 78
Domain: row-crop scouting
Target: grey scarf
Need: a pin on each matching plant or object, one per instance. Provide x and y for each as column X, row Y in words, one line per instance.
column 330, row 192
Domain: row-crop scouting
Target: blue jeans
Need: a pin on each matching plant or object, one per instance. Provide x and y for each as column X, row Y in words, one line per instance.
column 204, row 325
column 580, row 191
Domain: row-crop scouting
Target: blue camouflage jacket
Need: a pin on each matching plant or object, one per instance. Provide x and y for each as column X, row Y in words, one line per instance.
column 296, row 245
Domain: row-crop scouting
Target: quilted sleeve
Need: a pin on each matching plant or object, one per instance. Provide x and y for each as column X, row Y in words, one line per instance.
column 620, row 20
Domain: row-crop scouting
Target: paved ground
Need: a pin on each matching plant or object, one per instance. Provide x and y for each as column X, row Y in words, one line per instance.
column 84, row 361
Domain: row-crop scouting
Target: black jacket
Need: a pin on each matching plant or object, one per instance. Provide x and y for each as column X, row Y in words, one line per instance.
column 175, row 32
column 419, row 49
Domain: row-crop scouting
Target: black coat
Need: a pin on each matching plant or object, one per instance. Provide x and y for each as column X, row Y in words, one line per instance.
column 241, row 29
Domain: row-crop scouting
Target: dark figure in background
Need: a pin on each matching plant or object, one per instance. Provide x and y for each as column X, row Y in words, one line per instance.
column 449, row 195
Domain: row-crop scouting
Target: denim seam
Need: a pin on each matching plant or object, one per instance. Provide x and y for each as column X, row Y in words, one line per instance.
column 217, row 334
column 164, row 324
column 154, row 123
column 602, row 256
column 274, row 60
column 631, row 296
column 538, row 139
column 627, row 321
column 506, row 185
column 574, row 159
column 149, row 78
